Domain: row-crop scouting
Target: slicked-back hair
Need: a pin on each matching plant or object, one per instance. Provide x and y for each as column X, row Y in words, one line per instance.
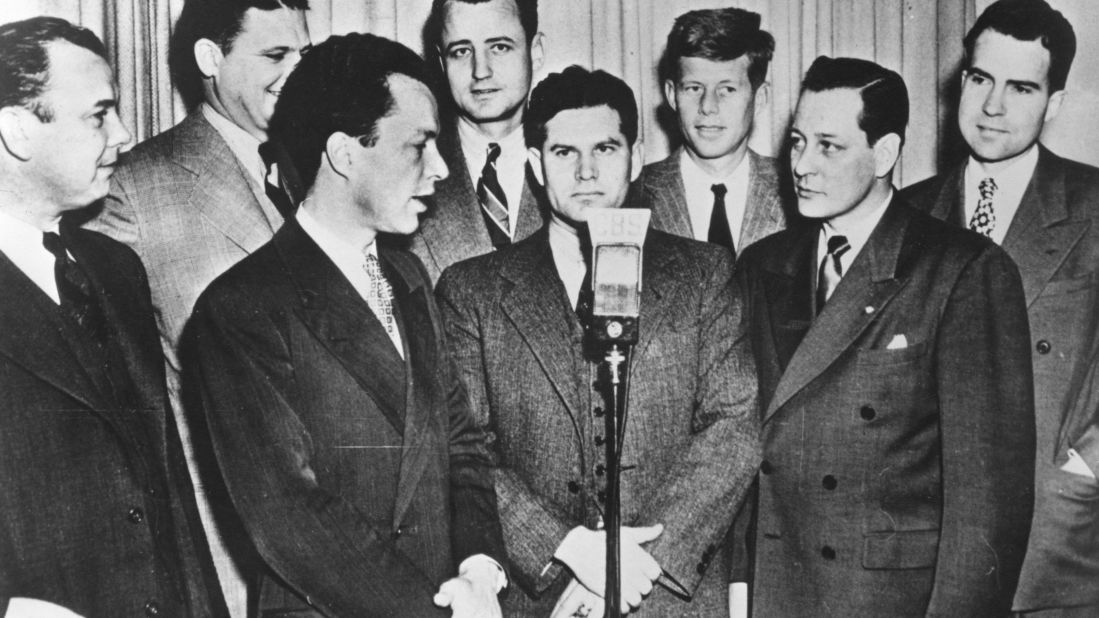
column 578, row 88
column 1030, row 20
column 220, row 21
column 884, row 95
column 25, row 59
column 341, row 85
column 433, row 27
column 718, row 35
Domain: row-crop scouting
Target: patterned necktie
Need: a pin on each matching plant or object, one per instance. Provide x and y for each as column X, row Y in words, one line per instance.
column 274, row 192
column 494, row 204
column 984, row 218
column 719, row 221
column 831, row 269
column 380, row 299
column 76, row 292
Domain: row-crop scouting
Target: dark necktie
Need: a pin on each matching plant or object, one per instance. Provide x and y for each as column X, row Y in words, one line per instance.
column 831, row 269
column 585, row 298
column 274, row 192
column 494, row 204
column 984, row 217
column 719, row 221
column 75, row 289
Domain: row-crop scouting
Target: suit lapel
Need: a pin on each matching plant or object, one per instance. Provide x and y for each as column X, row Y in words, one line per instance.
column 789, row 285
column 531, row 217
column 664, row 187
column 659, row 293
column 1041, row 235
column 950, row 202
column 763, row 213
column 859, row 297
column 458, row 230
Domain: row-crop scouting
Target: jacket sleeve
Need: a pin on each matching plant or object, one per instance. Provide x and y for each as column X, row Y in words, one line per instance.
column 318, row 543
column 985, row 390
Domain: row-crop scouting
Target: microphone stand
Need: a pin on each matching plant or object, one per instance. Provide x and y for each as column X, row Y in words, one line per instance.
column 612, row 516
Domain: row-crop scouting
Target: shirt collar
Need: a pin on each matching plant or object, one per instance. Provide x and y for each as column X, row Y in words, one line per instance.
column 475, row 144
column 242, row 143
column 857, row 233
column 694, row 175
column 341, row 251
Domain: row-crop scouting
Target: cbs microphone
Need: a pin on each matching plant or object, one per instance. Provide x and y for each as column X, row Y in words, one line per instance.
column 617, row 235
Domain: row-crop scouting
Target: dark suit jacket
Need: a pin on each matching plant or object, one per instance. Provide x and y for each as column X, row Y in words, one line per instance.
column 691, row 435
column 662, row 191
column 1054, row 239
column 454, row 228
column 360, row 477
column 895, row 482
column 98, row 514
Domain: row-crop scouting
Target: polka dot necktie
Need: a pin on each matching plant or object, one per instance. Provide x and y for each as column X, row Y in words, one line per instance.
column 984, row 218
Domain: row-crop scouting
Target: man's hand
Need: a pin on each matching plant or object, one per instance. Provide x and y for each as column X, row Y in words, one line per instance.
column 473, row 593
column 584, row 552
column 22, row 607
column 578, row 602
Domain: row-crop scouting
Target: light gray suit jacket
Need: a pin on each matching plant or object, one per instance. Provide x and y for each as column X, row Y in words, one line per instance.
column 662, row 191
column 454, row 228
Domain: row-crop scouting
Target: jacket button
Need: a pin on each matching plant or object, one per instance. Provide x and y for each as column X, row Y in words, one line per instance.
column 828, row 553
column 600, row 469
column 598, row 411
column 152, row 608
column 765, row 467
column 574, row 487
column 135, row 515
column 700, row 569
column 398, row 532
column 1043, row 347
column 867, row 413
column 602, row 495
column 829, row 482
column 599, row 440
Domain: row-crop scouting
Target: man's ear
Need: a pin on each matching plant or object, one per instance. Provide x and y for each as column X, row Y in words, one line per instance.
column 669, row 94
column 338, row 153
column 762, row 98
column 886, row 152
column 1053, row 107
column 534, row 157
column 537, row 52
column 208, row 57
column 13, row 131
column 637, row 160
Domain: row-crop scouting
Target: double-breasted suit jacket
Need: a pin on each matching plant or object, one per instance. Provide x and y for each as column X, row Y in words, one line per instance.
column 690, row 437
column 1054, row 239
column 661, row 186
column 360, row 477
column 98, row 512
column 453, row 229
column 897, row 425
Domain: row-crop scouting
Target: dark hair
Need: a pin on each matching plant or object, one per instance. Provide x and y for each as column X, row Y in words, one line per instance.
column 1030, row 20
column 718, row 35
column 220, row 21
column 433, row 27
column 578, row 88
column 341, row 85
column 884, row 95
column 25, row 61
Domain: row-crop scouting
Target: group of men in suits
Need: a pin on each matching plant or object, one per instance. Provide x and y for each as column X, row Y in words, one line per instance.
column 920, row 403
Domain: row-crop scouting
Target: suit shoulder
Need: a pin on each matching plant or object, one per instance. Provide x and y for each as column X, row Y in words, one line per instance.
column 922, row 195
column 656, row 172
column 481, row 267
column 118, row 253
column 249, row 280
column 707, row 256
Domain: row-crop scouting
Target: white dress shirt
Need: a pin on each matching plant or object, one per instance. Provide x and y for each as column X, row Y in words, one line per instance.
column 22, row 243
column 697, row 185
column 857, row 233
column 511, row 165
column 1011, row 184
column 567, row 257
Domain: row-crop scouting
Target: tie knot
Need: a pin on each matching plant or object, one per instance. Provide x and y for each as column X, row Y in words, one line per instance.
column 267, row 153
column 53, row 243
column 987, row 187
column 719, row 190
column 493, row 153
column 838, row 245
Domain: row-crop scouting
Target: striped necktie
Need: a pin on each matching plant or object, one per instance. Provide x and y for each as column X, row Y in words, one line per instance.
column 831, row 269
column 494, row 204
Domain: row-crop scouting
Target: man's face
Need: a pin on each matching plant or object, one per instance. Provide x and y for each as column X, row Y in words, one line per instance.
column 1005, row 96
column 833, row 163
column 586, row 162
column 402, row 166
column 488, row 60
column 715, row 104
column 247, row 81
column 71, row 158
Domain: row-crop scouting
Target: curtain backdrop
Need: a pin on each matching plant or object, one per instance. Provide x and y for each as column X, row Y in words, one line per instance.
column 921, row 39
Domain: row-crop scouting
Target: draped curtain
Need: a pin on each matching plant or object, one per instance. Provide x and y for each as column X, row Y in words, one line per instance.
column 921, row 39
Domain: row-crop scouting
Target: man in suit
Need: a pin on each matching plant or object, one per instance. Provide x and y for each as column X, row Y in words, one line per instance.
column 98, row 516
column 488, row 51
column 690, row 442
column 193, row 200
column 1044, row 211
column 895, row 381
column 337, row 417
column 714, row 188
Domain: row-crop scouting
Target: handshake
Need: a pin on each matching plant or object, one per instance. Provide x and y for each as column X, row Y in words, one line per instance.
column 583, row 551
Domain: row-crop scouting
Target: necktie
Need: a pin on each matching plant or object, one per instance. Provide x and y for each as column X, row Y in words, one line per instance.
column 380, row 299
column 831, row 269
column 984, row 218
column 585, row 298
column 719, row 221
column 75, row 289
column 494, row 204
column 274, row 192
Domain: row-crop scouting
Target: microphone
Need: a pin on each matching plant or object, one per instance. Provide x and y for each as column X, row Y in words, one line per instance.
column 617, row 235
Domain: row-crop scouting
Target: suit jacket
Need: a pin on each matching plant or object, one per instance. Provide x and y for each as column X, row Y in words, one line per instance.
column 897, row 474
column 98, row 511
column 661, row 185
column 691, row 436
column 454, row 228
column 360, row 477
column 1054, row 239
